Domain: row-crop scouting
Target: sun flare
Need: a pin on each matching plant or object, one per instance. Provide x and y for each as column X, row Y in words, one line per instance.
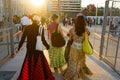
column 37, row 2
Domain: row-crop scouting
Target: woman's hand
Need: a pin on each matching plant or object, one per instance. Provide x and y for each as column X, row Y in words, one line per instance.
column 88, row 32
column 16, row 52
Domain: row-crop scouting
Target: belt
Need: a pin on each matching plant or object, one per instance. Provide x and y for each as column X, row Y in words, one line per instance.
column 77, row 45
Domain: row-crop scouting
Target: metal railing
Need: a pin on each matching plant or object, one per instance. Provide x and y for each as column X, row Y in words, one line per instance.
column 5, row 42
column 107, row 43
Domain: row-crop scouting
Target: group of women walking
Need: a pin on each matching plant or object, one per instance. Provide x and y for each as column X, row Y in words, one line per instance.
column 35, row 65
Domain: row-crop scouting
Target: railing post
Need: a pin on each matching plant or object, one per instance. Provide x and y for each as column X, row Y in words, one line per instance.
column 117, row 48
column 111, row 16
column 10, row 25
column 8, row 43
column 104, row 28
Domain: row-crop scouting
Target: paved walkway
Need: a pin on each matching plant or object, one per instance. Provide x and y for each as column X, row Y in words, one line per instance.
column 101, row 71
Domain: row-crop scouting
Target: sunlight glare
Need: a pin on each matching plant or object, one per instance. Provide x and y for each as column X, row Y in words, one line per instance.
column 37, row 2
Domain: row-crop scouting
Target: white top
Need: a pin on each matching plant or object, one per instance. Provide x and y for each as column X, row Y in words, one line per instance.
column 25, row 21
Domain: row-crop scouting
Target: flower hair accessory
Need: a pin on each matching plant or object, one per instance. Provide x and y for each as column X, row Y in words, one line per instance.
column 79, row 14
column 36, row 18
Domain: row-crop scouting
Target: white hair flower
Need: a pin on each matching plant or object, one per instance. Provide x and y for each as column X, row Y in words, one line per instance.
column 36, row 18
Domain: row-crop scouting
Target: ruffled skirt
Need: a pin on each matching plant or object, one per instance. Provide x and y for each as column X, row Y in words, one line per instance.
column 35, row 67
column 77, row 67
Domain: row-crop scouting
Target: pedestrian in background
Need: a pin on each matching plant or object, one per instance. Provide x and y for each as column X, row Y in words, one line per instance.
column 56, row 54
column 77, row 67
column 35, row 65
column 25, row 21
column 16, row 21
column 1, row 21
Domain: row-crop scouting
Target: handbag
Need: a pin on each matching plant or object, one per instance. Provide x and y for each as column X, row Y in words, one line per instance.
column 41, row 43
column 57, row 39
column 86, row 46
column 67, row 49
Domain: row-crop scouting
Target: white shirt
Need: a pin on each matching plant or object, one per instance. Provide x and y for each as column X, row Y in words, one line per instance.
column 25, row 21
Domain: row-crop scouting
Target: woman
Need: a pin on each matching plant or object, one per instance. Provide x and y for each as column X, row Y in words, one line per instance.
column 56, row 54
column 77, row 68
column 35, row 66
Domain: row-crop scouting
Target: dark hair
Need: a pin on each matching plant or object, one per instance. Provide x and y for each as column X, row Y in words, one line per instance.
column 43, row 20
column 80, row 25
column 73, row 20
column 54, row 16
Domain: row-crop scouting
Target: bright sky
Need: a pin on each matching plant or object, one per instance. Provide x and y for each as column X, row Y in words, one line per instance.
column 96, row 2
column 37, row 3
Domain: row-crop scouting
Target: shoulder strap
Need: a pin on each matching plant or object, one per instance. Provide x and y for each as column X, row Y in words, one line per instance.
column 41, row 28
column 57, row 29
column 85, row 35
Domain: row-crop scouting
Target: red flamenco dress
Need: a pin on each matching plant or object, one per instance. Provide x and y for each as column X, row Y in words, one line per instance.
column 35, row 67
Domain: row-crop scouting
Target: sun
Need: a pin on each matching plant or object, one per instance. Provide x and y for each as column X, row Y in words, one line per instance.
column 37, row 3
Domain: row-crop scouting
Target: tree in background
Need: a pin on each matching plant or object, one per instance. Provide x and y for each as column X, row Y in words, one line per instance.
column 100, row 11
column 90, row 10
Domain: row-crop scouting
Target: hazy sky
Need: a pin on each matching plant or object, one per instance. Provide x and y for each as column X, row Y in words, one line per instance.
column 87, row 2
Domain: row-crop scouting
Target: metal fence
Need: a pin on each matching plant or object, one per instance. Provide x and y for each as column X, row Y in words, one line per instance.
column 107, row 43
column 6, row 50
column 112, row 39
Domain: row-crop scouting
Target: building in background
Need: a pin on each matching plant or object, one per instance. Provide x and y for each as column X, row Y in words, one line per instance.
column 70, row 7
column 20, row 7
column 1, row 9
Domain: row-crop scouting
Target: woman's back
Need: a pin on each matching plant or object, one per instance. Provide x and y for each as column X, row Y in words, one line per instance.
column 77, row 40
column 30, row 33
column 52, row 27
column 75, row 37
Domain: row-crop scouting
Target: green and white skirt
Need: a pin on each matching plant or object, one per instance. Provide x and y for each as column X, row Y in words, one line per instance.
column 56, row 55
